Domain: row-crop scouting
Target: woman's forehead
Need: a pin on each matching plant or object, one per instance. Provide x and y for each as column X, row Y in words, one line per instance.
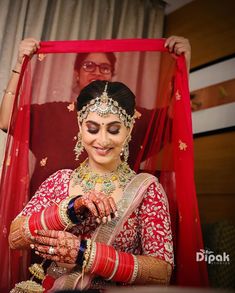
column 94, row 117
column 97, row 57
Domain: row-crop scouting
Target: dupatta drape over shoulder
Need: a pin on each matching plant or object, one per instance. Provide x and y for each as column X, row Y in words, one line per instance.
column 44, row 130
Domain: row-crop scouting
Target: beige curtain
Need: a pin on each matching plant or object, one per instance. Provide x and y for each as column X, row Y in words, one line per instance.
column 72, row 19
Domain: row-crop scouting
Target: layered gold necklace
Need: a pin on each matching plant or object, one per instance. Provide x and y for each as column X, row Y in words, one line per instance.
column 88, row 179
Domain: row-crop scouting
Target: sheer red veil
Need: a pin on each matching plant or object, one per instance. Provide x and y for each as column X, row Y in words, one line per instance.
column 42, row 137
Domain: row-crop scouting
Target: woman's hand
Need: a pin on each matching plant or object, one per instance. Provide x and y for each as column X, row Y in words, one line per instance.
column 26, row 48
column 59, row 246
column 101, row 207
column 179, row 45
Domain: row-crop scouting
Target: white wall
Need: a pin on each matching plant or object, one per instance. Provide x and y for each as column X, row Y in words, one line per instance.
column 215, row 117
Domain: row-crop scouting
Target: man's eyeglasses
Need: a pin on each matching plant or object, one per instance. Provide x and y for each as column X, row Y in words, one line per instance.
column 90, row 66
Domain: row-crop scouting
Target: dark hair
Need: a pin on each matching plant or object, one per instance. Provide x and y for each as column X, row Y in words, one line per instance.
column 118, row 91
column 82, row 56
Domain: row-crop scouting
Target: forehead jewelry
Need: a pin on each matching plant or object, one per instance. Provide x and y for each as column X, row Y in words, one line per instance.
column 103, row 105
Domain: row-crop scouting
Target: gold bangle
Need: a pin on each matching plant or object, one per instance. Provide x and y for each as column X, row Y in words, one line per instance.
column 20, row 234
column 63, row 213
column 135, row 271
column 91, row 258
column 152, row 270
column 9, row 93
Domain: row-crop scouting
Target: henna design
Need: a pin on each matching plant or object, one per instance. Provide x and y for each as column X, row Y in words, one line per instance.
column 65, row 244
column 100, row 206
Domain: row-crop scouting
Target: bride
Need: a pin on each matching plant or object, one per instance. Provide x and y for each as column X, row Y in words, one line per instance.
column 100, row 224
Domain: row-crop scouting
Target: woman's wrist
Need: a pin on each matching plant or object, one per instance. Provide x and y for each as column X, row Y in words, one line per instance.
column 20, row 235
column 71, row 210
column 15, row 71
column 111, row 264
column 17, row 67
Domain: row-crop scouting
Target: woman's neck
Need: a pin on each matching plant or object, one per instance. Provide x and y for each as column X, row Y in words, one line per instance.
column 103, row 168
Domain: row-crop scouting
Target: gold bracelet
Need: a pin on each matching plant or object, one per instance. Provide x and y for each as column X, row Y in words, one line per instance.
column 20, row 234
column 26, row 231
column 135, row 271
column 15, row 71
column 152, row 271
column 91, row 258
column 63, row 206
column 9, row 93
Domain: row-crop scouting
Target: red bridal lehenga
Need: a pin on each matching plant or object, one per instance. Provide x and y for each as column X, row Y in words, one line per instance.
column 44, row 131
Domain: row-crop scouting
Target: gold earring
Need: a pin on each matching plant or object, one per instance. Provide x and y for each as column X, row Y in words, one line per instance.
column 125, row 149
column 79, row 148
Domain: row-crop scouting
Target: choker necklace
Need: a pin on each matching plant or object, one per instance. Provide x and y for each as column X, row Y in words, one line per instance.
column 88, row 179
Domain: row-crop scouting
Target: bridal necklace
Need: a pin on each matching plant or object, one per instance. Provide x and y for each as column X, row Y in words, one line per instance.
column 88, row 179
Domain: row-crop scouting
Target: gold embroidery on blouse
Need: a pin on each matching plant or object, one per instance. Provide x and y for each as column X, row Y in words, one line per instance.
column 25, row 179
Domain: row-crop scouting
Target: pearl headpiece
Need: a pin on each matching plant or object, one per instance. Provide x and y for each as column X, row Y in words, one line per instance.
column 103, row 106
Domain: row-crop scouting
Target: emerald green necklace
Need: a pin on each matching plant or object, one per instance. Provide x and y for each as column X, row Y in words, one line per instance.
column 88, row 179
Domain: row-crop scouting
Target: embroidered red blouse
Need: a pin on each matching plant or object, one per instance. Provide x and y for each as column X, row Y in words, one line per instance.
column 147, row 231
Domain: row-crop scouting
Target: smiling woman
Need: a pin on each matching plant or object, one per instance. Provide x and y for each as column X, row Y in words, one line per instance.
column 103, row 138
column 161, row 144
column 105, row 134
column 108, row 211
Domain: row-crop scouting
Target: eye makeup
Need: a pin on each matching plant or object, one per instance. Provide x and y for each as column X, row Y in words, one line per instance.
column 112, row 127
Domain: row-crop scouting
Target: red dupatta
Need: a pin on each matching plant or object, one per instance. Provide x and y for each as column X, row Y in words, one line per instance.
column 163, row 135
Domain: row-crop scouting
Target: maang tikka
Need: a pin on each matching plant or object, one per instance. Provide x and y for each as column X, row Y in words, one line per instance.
column 79, row 148
column 104, row 105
